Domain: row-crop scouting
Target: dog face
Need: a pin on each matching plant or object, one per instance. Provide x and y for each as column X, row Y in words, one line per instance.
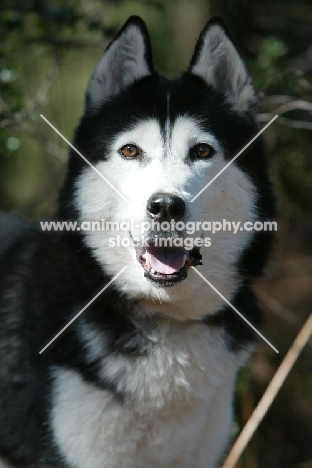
column 158, row 143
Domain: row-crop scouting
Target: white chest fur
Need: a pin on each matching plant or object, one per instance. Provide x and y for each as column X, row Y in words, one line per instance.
column 176, row 413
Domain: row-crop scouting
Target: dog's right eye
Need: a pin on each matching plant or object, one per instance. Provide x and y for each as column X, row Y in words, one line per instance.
column 129, row 151
column 202, row 151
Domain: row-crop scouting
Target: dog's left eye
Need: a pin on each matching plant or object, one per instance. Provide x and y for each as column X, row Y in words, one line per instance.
column 129, row 151
column 202, row 151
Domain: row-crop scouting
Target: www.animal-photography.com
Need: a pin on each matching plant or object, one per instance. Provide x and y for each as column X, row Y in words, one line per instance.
column 155, row 234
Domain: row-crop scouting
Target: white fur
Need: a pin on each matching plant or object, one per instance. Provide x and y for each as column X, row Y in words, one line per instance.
column 165, row 169
column 176, row 407
column 221, row 67
column 120, row 66
column 177, row 399
column 177, row 410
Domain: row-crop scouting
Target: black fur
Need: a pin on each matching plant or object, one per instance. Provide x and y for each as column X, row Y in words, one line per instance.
column 46, row 278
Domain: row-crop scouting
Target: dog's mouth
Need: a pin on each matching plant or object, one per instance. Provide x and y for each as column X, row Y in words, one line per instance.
column 167, row 266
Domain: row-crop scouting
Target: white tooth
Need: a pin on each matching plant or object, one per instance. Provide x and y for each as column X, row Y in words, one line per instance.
column 148, row 263
column 152, row 270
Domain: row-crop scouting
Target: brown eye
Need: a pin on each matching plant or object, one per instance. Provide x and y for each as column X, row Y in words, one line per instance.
column 130, row 151
column 202, row 150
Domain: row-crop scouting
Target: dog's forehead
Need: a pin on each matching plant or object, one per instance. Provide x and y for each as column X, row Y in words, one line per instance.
column 156, row 97
column 160, row 109
column 177, row 135
column 155, row 108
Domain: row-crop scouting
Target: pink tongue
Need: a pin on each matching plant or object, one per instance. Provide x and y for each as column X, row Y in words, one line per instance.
column 165, row 260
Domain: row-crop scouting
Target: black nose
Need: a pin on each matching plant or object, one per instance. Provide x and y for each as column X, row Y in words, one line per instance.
column 165, row 206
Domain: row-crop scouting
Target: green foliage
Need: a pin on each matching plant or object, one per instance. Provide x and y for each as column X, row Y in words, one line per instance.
column 277, row 84
column 48, row 49
column 47, row 44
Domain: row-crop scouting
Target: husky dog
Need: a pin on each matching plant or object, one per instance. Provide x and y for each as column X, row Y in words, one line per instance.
column 144, row 376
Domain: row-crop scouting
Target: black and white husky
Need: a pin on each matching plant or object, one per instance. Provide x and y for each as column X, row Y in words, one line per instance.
column 144, row 377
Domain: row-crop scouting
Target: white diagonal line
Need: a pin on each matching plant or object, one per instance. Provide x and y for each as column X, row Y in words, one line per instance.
column 235, row 310
column 235, row 157
column 84, row 158
column 82, row 310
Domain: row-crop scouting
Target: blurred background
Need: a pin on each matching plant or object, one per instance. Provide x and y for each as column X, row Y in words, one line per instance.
column 48, row 49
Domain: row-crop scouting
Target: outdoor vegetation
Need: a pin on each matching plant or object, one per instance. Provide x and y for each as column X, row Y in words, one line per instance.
column 48, row 49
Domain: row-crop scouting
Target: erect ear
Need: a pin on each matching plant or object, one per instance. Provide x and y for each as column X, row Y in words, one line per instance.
column 217, row 61
column 127, row 59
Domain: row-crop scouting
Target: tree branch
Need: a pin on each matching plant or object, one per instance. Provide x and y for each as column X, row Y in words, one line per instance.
column 266, row 117
column 15, row 118
column 269, row 395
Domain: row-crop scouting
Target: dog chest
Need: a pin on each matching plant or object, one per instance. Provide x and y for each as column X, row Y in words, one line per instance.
column 177, row 399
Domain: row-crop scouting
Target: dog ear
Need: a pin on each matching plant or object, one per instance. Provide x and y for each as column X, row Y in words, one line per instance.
column 218, row 62
column 127, row 59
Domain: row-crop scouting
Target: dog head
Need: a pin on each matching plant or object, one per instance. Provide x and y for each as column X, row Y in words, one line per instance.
column 154, row 144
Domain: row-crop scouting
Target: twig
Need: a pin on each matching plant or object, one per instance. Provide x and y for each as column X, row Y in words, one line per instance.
column 287, row 107
column 295, row 123
column 273, row 79
column 78, row 43
column 279, row 309
column 267, row 116
column 293, row 105
column 43, row 9
column 40, row 97
column 305, row 83
column 271, row 303
column 56, row 151
column 269, row 395
column 274, row 99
